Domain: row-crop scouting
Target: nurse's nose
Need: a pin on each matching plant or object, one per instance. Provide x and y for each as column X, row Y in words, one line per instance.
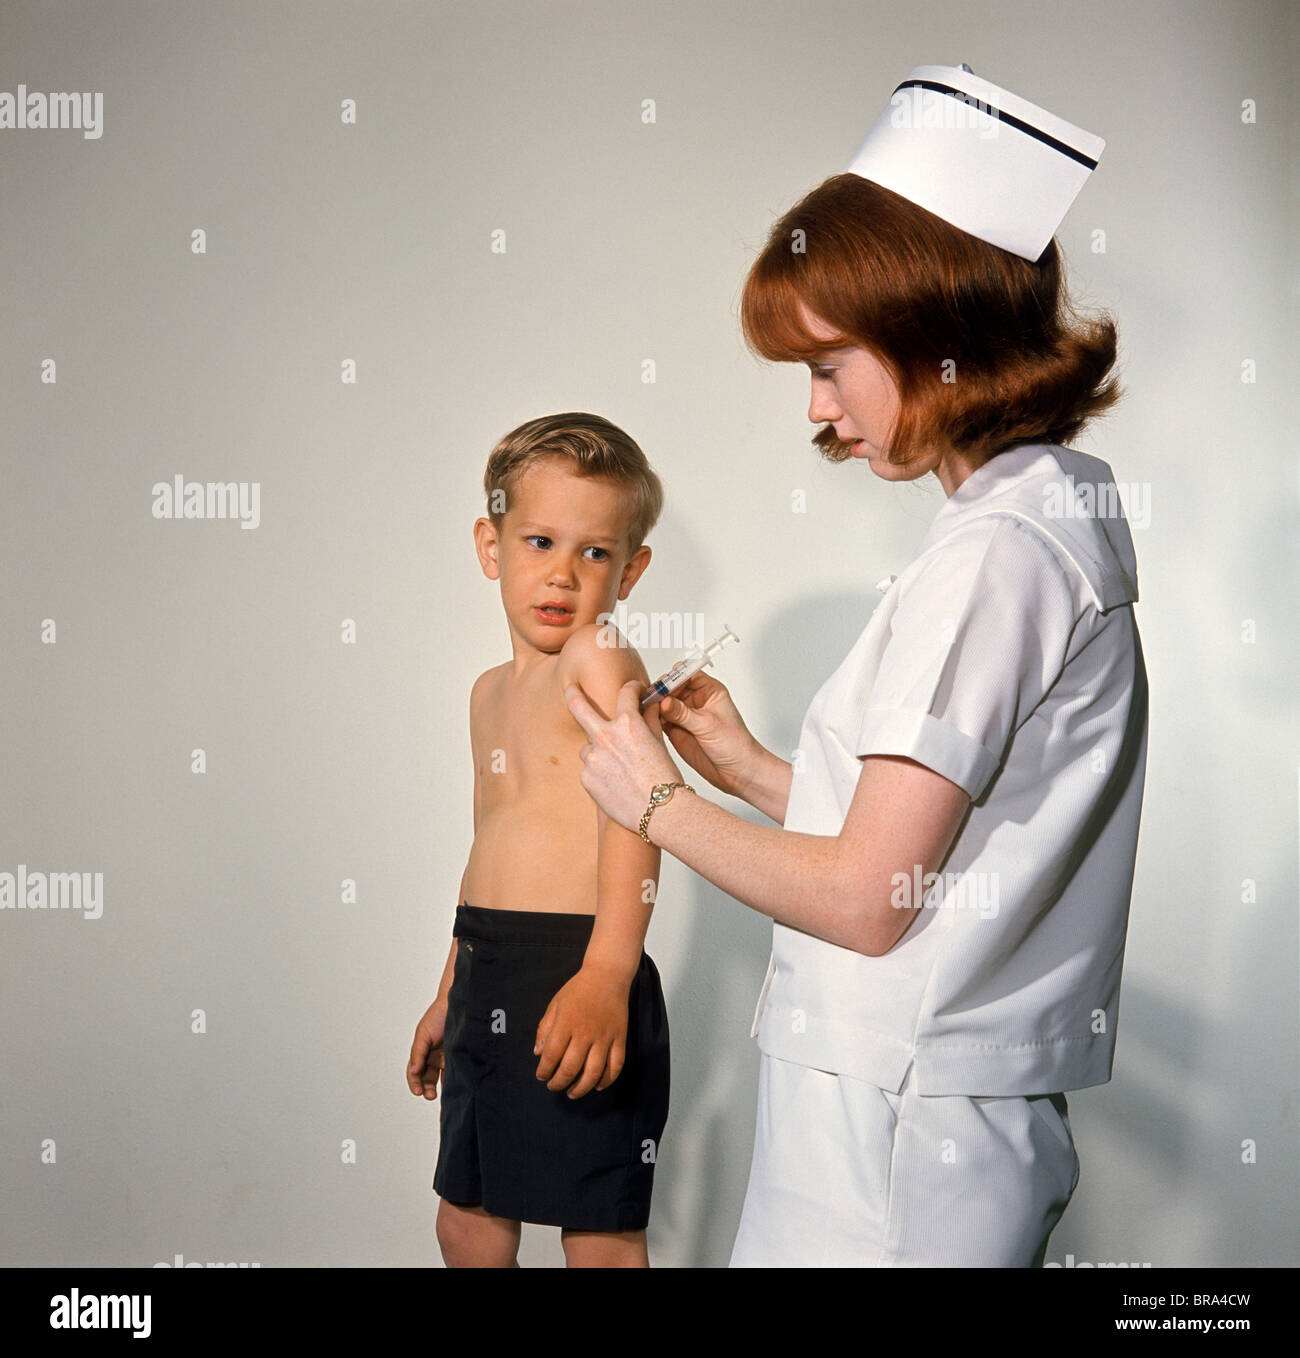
column 823, row 407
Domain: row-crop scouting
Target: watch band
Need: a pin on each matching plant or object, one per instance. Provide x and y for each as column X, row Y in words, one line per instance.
column 659, row 794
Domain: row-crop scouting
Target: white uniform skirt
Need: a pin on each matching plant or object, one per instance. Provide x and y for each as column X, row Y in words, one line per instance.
column 847, row 1175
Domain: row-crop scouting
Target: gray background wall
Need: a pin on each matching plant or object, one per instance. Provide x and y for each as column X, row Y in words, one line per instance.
column 326, row 761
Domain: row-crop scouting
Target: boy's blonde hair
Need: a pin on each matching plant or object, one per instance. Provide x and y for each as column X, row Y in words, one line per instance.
column 594, row 447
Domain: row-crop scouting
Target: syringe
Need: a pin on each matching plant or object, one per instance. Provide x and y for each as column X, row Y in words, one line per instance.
column 684, row 668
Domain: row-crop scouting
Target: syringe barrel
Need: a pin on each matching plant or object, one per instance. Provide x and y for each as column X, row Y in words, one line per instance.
column 670, row 682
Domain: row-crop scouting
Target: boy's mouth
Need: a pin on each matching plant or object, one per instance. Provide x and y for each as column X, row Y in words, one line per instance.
column 554, row 614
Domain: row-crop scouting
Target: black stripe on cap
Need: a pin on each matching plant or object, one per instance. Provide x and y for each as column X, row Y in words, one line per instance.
column 1036, row 132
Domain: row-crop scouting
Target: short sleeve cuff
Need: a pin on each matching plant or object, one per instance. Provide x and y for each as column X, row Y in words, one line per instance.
column 917, row 735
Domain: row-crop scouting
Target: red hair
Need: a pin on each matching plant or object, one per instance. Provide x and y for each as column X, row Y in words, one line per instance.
column 932, row 301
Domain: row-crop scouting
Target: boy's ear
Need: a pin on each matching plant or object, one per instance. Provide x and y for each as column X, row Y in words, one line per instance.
column 487, row 543
column 633, row 571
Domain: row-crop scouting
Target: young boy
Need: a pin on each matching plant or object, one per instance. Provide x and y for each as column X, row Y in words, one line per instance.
column 549, row 1027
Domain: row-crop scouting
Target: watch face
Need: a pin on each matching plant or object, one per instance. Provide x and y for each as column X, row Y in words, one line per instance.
column 661, row 792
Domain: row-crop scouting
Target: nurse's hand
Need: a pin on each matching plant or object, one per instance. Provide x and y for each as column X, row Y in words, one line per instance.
column 625, row 759
column 706, row 730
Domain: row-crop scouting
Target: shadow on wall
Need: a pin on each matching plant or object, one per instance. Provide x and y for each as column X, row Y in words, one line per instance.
column 1181, row 1160
column 711, row 1123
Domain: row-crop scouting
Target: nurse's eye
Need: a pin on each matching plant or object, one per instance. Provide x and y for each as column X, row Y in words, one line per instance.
column 540, row 542
column 821, row 372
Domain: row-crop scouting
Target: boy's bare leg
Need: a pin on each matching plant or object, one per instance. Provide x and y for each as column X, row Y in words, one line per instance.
column 605, row 1249
column 471, row 1238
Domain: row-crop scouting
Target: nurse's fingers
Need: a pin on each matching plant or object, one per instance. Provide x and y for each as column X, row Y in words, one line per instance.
column 675, row 713
column 582, row 711
column 629, row 698
column 698, row 689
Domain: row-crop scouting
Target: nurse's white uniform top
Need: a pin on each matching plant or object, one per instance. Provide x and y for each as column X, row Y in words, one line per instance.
column 911, row 1110
column 1006, row 658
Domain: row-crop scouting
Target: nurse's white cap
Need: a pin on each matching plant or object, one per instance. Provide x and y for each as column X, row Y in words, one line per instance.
column 978, row 156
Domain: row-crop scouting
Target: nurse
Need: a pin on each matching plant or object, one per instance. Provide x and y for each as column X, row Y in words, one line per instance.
column 950, row 882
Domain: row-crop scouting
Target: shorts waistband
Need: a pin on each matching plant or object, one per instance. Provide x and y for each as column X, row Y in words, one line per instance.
column 522, row 926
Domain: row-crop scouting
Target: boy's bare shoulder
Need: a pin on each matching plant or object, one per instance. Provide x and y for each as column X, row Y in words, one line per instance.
column 599, row 660
column 483, row 686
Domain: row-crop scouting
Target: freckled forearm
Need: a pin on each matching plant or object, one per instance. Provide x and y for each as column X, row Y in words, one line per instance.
column 768, row 787
column 798, row 880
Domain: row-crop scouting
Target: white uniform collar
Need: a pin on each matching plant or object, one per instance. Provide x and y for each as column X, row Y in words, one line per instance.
column 1069, row 496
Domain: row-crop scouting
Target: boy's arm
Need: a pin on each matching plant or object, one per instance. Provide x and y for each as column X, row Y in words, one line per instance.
column 444, row 985
column 426, row 1060
column 627, row 875
column 627, row 868
column 583, row 1034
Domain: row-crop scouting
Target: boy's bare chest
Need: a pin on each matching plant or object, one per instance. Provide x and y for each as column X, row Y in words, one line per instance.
column 524, row 737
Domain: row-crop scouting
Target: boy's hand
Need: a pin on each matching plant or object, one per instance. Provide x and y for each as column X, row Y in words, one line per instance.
column 583, row 1033
column 427, row 1055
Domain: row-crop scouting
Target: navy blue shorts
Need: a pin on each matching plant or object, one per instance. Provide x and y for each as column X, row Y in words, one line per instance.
column 508, row 1143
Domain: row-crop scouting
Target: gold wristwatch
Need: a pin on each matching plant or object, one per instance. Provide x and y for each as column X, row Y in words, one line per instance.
column 659, row 794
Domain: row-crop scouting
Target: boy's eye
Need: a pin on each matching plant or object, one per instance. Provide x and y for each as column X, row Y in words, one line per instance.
column 544, row 544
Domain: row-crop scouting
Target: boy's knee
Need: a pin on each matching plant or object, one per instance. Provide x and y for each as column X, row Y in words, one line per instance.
column 457, row 1238
column 469, row 1238
column 601, row 1249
